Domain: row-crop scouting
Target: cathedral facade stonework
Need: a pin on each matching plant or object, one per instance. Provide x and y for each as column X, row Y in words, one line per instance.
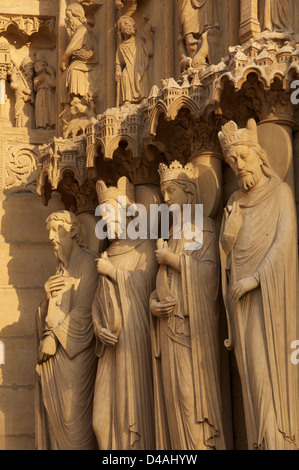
column 109, row 109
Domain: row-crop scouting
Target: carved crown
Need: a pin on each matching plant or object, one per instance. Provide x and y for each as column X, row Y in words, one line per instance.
column 176, row 171
column 123, row 188
column 231, row 135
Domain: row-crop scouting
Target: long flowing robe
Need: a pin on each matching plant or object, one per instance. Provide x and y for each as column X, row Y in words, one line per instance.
column 196, row 16
column 44, row 101
column 276, row 15
column 188, row 407
column 133, row 58
column 123, row 417
column 262, row 324
column 66, row 381
column 76, row 76
column 23, row 104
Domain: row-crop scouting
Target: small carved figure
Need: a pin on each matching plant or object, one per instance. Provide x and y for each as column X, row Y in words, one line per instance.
column 44, row 86
column 80, row 53
column 132, row 60
column 258, row 246
column 66, row 358
column 197, row 17
column 276, row 16
column 77, row 115
column 129, row 6
column 185, row 315
column 123, row 396
column 21, row 82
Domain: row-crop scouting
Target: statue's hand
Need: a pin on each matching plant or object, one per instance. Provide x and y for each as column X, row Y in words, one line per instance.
column 162, row 309
column 242, row 287
column 234, row 220
column 162, row 251
column 47, row 349
column 54, row 284
column 232, row 227
column 106, row 337
column 105, row 267
column 63, row 66
column 118, row 77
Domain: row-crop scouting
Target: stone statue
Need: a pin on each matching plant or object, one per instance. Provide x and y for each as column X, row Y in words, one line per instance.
column 44, row 86
column 66, row 354
column 123, row 398
column 276, row 16
column 77, row 115
column 79, row 53
column 21, row 81
column 196, row 17
column 132, row 60
column 185, row 311
column 129, row 7
column 258, row 247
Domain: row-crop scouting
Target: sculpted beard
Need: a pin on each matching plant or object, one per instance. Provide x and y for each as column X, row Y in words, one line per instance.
column 70, row 27
column 128, row 30
column 247, row 181
column 61, row 260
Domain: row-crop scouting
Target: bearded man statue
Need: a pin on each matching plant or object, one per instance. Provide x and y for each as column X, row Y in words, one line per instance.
column 66, row 362
column 258, row 248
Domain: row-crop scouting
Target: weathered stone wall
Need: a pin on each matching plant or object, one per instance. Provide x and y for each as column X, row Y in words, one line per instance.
column 26, row 257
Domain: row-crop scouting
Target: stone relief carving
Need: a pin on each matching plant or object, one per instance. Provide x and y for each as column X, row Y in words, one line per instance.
column 84, row 194
column 27, row 25
column 139, row 170
column 185, row 328
column 44, row 86
column 120, row 314
column 128, row 7
column 66, row 362
column 59, row 158
column 196, row 17
column 132, row 60
column 90, row 8
column 258, row 256
column 78, row 59
column 21, row 81
column 21, row 168
column 261, row 94
column 5, row 70
column 77, row 115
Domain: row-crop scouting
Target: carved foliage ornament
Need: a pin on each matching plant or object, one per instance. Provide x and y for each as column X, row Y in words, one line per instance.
column 21, row 169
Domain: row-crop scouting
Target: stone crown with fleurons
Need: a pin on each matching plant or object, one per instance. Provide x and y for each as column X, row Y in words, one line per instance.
column 231, row 135
column 177, row 172
column 124, row 188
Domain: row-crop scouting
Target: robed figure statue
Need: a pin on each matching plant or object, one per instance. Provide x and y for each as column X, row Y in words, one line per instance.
column 258, row 246
column 184, row 320
column 123, row 397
